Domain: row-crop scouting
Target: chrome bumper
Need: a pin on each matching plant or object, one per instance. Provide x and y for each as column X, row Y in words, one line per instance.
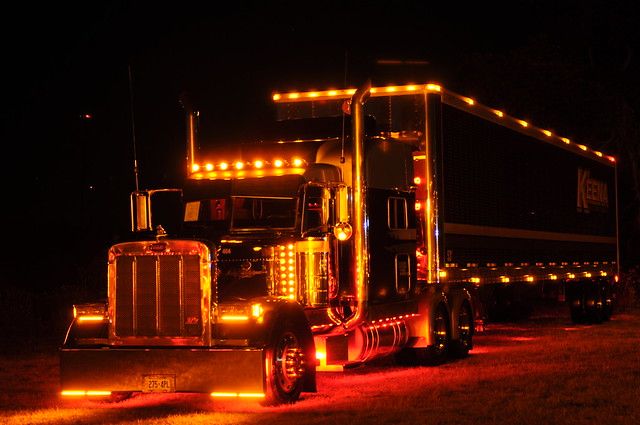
column 195, row 370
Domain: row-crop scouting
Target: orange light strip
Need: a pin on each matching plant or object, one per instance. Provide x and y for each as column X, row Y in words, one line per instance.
column 82, row 393
column 92, row 318
column 233, row 318
column 404, row 90
column 233, row 395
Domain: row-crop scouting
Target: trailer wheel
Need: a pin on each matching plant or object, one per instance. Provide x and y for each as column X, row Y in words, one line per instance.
column 440, row 335
column 286, row 365
column 464, row 343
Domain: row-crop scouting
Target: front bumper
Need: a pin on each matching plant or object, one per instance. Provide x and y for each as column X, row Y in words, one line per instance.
column 195, row 370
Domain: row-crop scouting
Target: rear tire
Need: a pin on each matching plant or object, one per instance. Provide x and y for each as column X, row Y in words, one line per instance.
column 464, row 343
column 440, row 335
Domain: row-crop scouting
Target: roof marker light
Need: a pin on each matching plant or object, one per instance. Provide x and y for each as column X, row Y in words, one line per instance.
column 498, row 113
column 223, row 166
column 598, row 153
column 547, row 133
column 297, row 162
column 612, row 159
column 567, row 141
column 523, row 123
column 470, row 101
column 209, row 167
column 583, row 147
column 195, row 168
column 434, row 87
column 332, row 93
column 278, row 163
column 293, row 95
column 276, row 96
column 258, row 164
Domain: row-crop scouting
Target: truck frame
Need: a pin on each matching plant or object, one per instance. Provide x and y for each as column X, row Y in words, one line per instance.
column 311, row 250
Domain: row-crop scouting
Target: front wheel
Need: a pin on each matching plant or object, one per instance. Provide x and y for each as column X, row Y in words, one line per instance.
column 286, row 365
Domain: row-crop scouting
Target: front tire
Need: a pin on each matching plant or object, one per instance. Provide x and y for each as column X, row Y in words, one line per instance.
column 286, row 365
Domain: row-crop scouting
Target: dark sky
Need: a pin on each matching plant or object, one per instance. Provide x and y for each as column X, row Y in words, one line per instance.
column 71, row 177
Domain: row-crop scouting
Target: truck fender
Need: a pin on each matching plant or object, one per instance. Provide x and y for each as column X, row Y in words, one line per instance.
column 420, row 328
column 458, row 299
column 283, row 311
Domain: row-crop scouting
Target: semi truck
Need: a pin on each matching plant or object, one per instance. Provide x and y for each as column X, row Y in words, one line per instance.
column 379, row 221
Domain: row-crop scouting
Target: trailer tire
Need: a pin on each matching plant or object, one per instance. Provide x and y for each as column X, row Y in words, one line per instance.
column 440, row 335
column 286, row 366
column 460, row 348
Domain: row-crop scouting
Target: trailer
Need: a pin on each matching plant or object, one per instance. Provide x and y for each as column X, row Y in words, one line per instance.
column 380, row 221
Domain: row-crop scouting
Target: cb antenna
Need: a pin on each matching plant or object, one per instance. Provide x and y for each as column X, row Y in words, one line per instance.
column 346, row 64
column 133, row 131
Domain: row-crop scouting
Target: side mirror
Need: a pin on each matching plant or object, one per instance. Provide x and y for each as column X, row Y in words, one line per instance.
column 153, row 208
column 140, row 211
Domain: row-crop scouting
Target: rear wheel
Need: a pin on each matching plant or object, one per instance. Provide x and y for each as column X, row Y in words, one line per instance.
column 440, row 335
column 464, row 343
column 286, row 365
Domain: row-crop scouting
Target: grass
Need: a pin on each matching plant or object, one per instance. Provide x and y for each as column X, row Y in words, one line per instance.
column 540, row 371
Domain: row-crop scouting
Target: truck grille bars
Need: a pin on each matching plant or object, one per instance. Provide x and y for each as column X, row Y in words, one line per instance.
column 157, row 296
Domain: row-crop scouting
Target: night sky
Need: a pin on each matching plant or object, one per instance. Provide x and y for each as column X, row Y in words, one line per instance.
column 562, row 65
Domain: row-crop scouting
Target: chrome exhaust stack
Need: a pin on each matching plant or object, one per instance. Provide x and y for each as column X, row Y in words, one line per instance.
column 359, row 247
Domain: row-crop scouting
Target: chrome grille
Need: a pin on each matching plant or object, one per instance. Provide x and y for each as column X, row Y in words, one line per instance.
column 158, row 296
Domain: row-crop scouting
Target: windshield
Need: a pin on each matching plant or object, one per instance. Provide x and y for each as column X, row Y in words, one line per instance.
column 263, row 212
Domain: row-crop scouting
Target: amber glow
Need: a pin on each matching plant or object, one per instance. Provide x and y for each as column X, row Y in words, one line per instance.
column 208, row 167
column 470, row 101
column 523, row 123
column 598, row 153
column 567, row 141
column 239, row 165
column 297, row 162
column 82, row 393
column 442, row 273
column 553, row 277
column 90, row 318
column 278, row 163
column 612, row 159
column 234, row 318
column 223, row 166
column 583, row 147
column 195, row 168
column 241, row 395
column 547, row 133
column 258, row 164
column 418, row 205
column 498, row 113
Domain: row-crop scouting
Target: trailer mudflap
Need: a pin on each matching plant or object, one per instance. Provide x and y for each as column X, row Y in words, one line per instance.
column 191, row 370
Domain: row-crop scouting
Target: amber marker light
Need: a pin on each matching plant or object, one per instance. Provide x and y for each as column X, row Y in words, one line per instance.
column 523, row 123
column 276, row 96
column 434, row 87
column 82, row 393
column 258, row 164
column 278, row 163
column 470, row 101
column 239, row 165
column 567, row 141
column 612, row 159
column 293, row 95
column 498, row 113
column 598, row 153
column 547, row 133
column 195, row 168
column 223, row 166
column 583, row 147
column 239, row 395
column 442, row 273
column 297, row 162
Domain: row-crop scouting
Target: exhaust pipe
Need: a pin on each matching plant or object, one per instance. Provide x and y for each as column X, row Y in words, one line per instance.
column 192, row 131
column 359, row 248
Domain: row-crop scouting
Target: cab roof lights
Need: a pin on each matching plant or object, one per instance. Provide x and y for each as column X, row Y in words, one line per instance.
column 397, row 90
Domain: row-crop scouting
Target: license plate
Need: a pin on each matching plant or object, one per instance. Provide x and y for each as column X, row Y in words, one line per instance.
column 159, row 384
